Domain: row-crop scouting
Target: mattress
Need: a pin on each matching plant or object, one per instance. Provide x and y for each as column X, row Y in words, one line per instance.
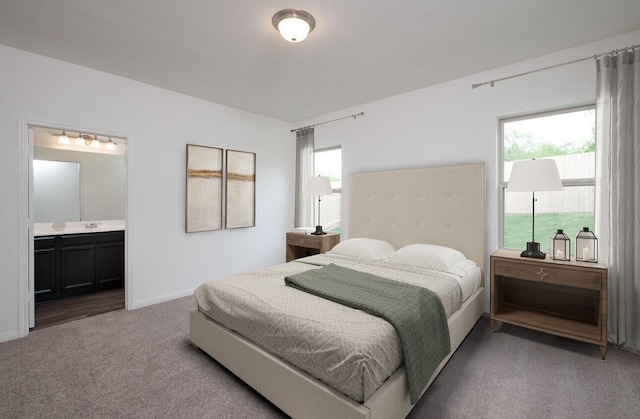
column 347, row 349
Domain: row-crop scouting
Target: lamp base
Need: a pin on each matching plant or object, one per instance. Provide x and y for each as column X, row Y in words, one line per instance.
column 318, row 231
column 533, row 251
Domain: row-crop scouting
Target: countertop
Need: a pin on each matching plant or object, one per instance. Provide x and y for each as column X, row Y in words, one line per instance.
column 77, row 227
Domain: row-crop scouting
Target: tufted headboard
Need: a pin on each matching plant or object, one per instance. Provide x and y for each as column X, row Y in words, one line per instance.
column 437, row 205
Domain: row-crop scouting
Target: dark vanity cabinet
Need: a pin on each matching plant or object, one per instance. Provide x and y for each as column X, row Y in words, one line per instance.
column 72, row 264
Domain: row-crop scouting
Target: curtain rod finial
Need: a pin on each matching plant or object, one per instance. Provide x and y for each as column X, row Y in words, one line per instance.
column 473, row 86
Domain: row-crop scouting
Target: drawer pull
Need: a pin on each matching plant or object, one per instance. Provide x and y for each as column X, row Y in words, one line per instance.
column 301, row 241
column 542, row 274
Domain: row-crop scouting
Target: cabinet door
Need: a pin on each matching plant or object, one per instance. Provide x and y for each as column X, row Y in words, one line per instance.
column 44, row 272
column 77, row 267
column 110, row 263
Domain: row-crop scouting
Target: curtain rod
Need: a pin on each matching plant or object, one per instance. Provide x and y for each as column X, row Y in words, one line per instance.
column 326, row 122
column 614, row 52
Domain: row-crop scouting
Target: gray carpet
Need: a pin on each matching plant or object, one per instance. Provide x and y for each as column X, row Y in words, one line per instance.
column 139, row 364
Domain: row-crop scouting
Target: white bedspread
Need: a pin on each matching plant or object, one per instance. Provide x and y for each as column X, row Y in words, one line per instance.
column 347, row 349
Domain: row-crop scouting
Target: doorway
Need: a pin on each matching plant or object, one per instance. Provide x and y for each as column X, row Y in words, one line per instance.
column 77, row 217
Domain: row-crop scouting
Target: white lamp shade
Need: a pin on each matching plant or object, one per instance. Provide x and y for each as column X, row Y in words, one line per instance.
column 319, row 185
column 294, row 29
column 534, row 175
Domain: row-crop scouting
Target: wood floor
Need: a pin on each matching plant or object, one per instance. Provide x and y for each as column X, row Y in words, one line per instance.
column 74, row 308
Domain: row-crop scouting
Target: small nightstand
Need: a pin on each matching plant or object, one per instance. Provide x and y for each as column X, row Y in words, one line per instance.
column 301, row 245
column 567, row 299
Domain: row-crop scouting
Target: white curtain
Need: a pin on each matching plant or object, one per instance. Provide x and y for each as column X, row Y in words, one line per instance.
column 618, row 190
column 304, row 170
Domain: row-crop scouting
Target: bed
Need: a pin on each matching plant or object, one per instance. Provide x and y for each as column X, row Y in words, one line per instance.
column 443, row 206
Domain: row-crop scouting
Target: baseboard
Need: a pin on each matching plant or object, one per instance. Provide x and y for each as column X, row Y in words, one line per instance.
column 5, row 337
column 162, row 299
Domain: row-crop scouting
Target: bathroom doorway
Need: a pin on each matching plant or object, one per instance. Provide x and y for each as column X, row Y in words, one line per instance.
column 77, row 194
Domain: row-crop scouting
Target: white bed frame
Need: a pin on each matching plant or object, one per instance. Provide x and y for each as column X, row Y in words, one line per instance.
column 440, row 205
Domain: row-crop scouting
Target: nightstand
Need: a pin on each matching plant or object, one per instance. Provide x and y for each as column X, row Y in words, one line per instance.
column 564, row 298
column 300, row 245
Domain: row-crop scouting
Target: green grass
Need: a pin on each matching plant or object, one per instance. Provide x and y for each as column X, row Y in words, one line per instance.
column 517, row 228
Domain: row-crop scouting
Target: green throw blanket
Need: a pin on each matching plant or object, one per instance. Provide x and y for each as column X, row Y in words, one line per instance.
column 415, row 312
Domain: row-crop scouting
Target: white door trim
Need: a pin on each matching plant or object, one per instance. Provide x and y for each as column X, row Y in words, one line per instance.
column 26, row 299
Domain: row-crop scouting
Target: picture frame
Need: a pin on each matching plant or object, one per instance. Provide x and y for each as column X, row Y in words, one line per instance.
column 240, row 189
column 204, row 188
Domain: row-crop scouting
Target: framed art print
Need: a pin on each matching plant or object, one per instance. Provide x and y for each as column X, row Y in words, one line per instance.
column 204, row 188
column 241, row 189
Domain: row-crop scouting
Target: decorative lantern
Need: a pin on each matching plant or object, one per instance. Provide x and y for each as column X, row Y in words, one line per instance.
column 560, row 246
column 586, row 246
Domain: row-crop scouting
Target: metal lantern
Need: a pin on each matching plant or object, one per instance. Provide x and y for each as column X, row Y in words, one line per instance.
column 586, row 246
column 560, row 246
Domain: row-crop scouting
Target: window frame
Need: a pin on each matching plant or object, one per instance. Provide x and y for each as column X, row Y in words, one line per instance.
column 502, row 184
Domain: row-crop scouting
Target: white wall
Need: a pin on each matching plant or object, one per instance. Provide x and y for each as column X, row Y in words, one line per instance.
column 163, row 261
column 452, row 123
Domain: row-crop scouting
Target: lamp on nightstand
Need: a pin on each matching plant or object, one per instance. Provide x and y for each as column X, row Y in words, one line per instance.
column 531, row 176
column 318, row 186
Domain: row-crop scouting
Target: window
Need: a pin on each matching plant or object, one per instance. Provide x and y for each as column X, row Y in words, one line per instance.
column 328, row 162
column 568, row 137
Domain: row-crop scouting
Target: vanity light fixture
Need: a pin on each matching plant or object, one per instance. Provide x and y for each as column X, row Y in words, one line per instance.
column 83, row 140
column 294, row 25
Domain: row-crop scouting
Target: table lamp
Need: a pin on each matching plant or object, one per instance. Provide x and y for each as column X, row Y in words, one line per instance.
column 531, row 176
column 318, row 186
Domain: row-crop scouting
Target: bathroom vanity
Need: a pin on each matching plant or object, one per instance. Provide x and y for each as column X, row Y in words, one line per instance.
column 76, row 261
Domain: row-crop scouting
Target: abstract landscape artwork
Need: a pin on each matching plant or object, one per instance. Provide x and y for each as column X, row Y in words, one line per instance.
column 204, row 188
column 241, row 189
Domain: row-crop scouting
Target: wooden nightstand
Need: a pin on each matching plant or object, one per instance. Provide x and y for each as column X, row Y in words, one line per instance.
column 562, row 298
column 301, row 245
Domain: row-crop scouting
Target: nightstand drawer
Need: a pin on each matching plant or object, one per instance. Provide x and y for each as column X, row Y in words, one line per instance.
column 304, row 241
column 302, row 245
column 547, row 272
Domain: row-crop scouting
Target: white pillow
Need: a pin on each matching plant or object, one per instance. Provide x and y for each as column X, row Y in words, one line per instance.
column 461, row 268
column 428, row 256
column 363, row 248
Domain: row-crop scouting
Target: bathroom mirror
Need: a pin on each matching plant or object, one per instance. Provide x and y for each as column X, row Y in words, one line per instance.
column 56, row 191
column 77, row 186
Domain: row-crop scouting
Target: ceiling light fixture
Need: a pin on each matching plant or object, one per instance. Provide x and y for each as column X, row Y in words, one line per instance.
column 294, row 25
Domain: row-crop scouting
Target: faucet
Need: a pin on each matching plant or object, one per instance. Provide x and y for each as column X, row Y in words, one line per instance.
column 91, row 225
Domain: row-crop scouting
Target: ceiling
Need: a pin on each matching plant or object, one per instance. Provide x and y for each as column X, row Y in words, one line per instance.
column 228, row 52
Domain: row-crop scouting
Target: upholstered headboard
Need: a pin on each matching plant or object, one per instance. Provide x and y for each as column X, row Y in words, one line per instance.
column 436, row 205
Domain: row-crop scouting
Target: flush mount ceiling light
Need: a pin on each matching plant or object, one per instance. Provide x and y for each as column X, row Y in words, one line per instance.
column 294, row 25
